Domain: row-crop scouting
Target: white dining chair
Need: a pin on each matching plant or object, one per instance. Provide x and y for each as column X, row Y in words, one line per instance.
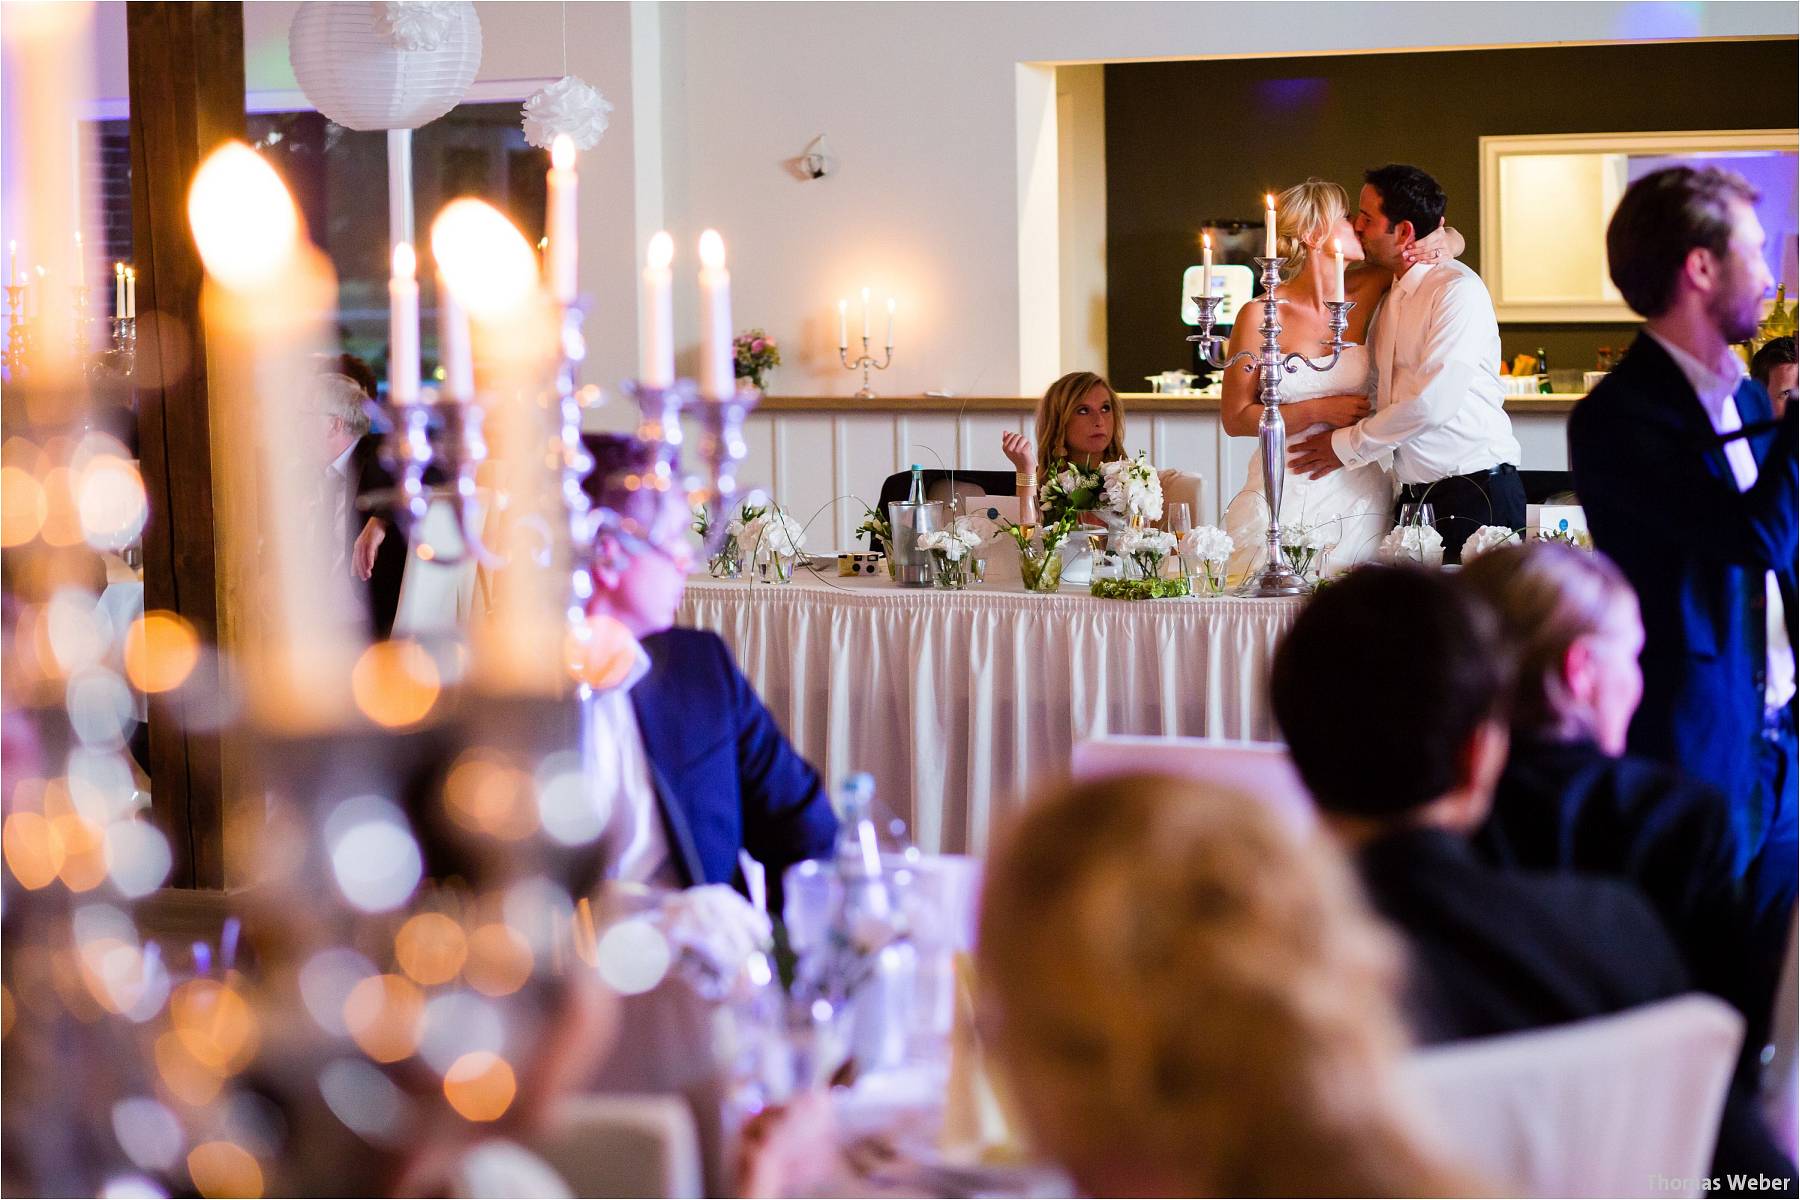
column 1625, row 1105
column 624, row 1146
column 1259, row 769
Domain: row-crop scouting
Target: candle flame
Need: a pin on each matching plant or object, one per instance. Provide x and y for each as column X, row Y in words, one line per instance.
column 1336, row 248
column 865, row 295
column 712, row 250
column 843, row 307
column 130, row 273
column 1269, row 201
column 1206, row 240
column 242, row 218
column 484, row 259
column 890, row 306
column 406, row 261
column 119, row 269
column 662, row 252
column 562, row 152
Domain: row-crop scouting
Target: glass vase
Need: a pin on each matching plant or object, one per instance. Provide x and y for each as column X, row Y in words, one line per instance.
column 1300, row 558
column 950, row 574
column 1210, row 580
column 727, row 563
column 1040, row 572
column 782, row 568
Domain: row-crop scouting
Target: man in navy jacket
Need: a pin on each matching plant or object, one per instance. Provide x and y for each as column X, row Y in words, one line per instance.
column 1702, row 522
column 694, row 768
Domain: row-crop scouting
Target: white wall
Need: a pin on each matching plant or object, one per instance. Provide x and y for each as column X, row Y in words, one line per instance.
column 919, row 101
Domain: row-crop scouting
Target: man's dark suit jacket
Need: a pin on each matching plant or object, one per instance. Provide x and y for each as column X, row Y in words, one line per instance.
column 726, row 777
column 1568, row 806
column 382, row 590
column 1661, row 502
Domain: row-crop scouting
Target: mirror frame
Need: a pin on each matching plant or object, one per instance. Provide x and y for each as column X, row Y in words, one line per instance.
column 1599, row 311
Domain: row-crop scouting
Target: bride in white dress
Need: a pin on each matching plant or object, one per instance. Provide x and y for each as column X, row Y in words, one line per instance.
column 1350, row 510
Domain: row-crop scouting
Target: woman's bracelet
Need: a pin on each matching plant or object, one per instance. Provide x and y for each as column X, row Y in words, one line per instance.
column 1026, row 480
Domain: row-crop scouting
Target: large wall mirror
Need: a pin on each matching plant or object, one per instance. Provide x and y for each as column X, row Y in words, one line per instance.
column 1545, row 202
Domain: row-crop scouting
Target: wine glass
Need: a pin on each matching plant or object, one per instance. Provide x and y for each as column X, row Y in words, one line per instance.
column 1180, row 519
column 1418, row 513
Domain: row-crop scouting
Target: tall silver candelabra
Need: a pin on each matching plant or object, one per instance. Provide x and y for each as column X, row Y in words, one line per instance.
column 1276, row 578
column 864, row 361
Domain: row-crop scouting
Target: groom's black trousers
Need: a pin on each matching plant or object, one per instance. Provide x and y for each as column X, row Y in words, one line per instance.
column 1462, row 504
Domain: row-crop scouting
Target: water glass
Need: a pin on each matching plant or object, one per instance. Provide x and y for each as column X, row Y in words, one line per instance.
column 1180, row 519
column 977, row 571
column 1419, row 513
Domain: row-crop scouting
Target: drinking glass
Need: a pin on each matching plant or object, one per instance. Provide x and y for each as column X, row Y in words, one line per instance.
column 977, row 571
column 1180, row 519
column 1419, row 513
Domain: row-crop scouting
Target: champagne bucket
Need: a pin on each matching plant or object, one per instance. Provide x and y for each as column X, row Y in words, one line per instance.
column 912, row 566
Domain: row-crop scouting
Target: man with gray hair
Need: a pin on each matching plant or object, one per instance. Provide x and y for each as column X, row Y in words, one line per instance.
column 337, row 422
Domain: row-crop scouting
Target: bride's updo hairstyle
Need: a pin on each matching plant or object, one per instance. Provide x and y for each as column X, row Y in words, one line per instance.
column 1058, row 405
column 1305, row 216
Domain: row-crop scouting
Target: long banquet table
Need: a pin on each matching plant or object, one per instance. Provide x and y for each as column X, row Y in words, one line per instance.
column 959, row 703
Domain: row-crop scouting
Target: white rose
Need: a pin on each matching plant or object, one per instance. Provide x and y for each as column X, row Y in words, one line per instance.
column 1413, row 543
column 1208, row 543
column 1488, row 537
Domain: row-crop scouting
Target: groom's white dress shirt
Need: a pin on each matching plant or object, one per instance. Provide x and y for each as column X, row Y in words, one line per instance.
column 1716, row 388
column 1439, row 407
column 632, row 844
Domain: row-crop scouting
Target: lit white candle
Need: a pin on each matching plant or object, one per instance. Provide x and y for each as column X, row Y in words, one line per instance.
column 403, row 327
column 131, row 292
column 843, row 324
column 12, row 272
column 118, row 287
column 716, row 375
column 1206, row 264
column 656, row 352
column 890, row 337
column 561, row 219
column 1269, row 243
column 456, row 346
column 1337, row 258
column 865, row 332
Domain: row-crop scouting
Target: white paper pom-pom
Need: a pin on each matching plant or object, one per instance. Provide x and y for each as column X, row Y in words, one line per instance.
column 415, row 24
column 566, row 106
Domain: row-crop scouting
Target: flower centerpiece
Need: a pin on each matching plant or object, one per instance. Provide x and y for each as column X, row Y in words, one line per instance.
column 1132, row 489
column 1301, row 544
column 724, row 562
column 1488, row 537
column 1144, row 547
column 1413, row 543
column 1040, row 550
column 1581, row 539
column 754, row 355
column 875, row 527
column 772, row 537
column 950, row 554
column 1209, row 549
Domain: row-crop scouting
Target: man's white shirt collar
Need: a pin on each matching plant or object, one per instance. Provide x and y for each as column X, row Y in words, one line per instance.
column 1712, row 384
column 341, row 464
column 1409, row 282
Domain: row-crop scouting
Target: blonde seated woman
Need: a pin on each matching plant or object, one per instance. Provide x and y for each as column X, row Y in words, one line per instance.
column 1351, row 510
column 1186, row 997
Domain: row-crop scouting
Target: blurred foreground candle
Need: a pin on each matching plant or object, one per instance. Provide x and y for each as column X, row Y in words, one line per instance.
column 1337, row 258
column 456, row 346
column 403, row 327
column 865, row 331
column 1269, row 242
column 12, row 270
column 490, row 272
column 656, row 354
column 716, row 375
column 560, row 222
column 268, row 294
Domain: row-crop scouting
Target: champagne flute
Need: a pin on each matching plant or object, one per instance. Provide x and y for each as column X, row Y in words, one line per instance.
column 1418, row 513
column 1180, row 519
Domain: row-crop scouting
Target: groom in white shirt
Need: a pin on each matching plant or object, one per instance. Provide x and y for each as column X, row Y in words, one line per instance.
column 1439, row 407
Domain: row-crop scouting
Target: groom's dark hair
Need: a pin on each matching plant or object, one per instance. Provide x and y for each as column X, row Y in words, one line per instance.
column 1408, row 194
column 1380, row 684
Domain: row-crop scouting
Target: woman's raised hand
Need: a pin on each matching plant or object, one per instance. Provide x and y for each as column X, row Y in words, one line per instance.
column 1019, row 450
column 1440, row 245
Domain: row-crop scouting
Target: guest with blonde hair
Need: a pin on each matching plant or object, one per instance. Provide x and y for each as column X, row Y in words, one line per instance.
column 1570, row 798
column 1188, row 997
column 1080, row 419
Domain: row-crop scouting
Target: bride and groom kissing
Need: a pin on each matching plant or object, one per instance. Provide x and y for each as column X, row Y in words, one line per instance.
column 1416, row 402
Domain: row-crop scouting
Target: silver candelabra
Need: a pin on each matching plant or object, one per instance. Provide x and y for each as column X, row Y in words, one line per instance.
column 1276, row 578
column 864, row 361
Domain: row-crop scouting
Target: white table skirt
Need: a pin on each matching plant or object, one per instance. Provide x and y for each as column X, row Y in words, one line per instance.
column 960, row 703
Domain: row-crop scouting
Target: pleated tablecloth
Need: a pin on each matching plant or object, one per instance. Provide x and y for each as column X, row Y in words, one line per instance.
column 960, row 703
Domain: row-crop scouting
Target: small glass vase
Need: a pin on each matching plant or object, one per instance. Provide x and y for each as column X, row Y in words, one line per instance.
column 1300, row 558
column 1145, row 564
column 1039, row 571
column 1209, row 579
column 950, row 574
column 781, row 568
column 728, row 563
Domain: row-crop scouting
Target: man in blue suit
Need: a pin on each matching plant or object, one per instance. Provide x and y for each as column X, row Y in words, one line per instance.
column 688, row 765
column 1689, row 485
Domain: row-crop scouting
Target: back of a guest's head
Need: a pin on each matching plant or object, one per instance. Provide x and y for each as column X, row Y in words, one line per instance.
column 627, row 480
column 1549, row 599
column 1661, row 219
column 1188, row 997
column 1408, row 194
column 1775, row 352
column 1379, row 687
column 352, row 367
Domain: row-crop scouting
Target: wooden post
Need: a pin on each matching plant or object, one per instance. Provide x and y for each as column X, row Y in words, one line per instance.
column 187, row 96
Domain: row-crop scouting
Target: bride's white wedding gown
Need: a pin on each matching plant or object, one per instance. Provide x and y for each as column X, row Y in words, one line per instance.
column 1352, row 508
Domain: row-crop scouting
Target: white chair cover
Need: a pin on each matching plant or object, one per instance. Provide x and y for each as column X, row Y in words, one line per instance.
column 1260, row 769
column 1183, row 487
column 624, row 1146
column 1626, row 1105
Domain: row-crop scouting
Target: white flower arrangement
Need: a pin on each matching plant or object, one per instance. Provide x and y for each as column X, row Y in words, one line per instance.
column 1488, row 537
column 1413, row 543
column 953, row 543
column 1132, row 488
column 415, row 24
column 567, row 106
column 1143, row 541
column 980, row 526
column 1208, row 544
column 773, row 531
column 1303, row 537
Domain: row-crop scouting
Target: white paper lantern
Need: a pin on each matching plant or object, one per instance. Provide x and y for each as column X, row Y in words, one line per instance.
column 349, row 61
